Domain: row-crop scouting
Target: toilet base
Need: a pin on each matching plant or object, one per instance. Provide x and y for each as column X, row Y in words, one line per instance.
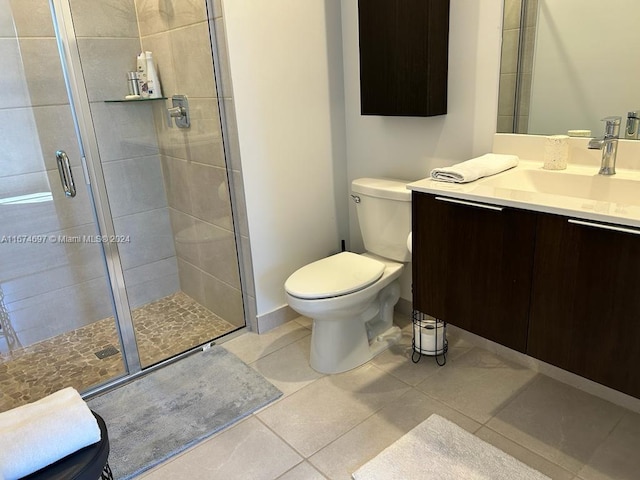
column 350, row 330
column 385, row 340
column 335, row 359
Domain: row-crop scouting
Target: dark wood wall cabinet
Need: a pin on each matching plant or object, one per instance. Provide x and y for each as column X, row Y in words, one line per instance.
column 404, row 48
column 562, row 290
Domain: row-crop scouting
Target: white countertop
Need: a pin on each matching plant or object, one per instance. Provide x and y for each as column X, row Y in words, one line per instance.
column 577, row 192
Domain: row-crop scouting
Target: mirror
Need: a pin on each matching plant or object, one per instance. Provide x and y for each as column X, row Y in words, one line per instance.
column 566, row 64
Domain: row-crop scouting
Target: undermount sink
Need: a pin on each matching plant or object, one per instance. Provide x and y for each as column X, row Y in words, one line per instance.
column 576, row 184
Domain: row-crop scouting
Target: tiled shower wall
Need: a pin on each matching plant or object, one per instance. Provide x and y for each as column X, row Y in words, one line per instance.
column 108, row 41
column 193, row 213
column 193, row 159
column 47, row 288
column 140, row 156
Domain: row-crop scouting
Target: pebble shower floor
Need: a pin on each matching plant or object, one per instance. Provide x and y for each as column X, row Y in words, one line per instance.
column 164, row 328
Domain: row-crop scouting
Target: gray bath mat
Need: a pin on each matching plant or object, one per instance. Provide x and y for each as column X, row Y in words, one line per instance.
column 173, row 408
column 438, row 449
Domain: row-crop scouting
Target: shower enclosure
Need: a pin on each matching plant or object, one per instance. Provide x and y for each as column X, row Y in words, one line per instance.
column 118, row 248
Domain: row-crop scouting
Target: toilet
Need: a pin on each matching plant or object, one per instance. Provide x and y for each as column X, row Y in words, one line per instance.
column 350, row 296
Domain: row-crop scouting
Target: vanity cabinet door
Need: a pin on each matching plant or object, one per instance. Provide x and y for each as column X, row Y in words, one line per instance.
column 585, row 304
column 472, row 267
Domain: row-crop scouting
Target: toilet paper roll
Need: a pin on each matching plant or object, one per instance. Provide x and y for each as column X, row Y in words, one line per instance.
column 429, row 337
column 409, row 243
column 556, row 152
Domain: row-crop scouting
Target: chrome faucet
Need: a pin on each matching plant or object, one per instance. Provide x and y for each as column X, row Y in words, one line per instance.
column 608, row 144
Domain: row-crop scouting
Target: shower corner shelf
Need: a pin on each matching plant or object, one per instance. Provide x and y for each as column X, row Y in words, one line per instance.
column 133, row 100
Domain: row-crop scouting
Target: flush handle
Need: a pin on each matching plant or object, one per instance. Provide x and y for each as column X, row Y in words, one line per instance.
column 66, row 176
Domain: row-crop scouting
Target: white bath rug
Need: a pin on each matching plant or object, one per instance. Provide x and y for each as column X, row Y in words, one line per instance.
column 439, row 449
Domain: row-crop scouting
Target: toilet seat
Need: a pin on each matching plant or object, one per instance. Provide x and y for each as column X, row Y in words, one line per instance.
column 334, row 276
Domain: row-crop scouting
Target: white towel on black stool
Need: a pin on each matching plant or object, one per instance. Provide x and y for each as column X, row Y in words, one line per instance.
column 41, row 433
column 470, row 170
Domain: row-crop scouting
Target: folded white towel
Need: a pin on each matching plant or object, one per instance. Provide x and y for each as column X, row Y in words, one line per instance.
column 488, row 164
column 38, row 434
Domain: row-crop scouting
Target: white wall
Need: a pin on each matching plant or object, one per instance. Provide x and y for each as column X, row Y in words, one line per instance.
column 408, row 148
column 299, row 152
column 286, row 69
column 584, row 70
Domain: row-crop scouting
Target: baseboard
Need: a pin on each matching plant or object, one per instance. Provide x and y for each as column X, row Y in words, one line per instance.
column 581, row 383
column 404, row 306
column 275, row 318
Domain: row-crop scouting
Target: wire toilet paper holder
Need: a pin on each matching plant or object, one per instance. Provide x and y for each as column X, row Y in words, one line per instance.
column 429, row 338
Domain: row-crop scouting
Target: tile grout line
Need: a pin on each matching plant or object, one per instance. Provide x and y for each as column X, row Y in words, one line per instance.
column 532, row 452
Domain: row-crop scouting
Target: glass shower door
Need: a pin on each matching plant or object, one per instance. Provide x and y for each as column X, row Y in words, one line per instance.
column 166, row 183
column 57, row 321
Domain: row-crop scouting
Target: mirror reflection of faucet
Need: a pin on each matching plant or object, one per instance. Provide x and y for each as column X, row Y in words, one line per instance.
column 633, row 122
column 608, row 144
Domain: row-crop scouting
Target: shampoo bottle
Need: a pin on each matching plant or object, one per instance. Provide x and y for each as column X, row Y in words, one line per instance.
column 152, row 78
column 142, row 75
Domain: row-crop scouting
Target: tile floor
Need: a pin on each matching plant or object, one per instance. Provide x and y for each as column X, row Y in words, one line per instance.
column 326, row 426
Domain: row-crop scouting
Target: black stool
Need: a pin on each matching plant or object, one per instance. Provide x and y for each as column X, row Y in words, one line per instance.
column 88, row 463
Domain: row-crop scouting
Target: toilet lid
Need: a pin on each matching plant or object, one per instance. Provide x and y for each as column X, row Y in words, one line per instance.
column 333, row 276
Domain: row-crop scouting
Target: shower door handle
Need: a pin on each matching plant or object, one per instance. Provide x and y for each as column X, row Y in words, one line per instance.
column 64, row 169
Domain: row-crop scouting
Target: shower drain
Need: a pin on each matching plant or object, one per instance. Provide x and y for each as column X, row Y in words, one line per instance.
column 107, row 352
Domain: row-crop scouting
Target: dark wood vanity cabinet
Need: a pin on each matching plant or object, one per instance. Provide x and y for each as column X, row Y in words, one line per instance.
column 404, row 48
column 472, row 267
column 546, row 285
column 585, row 302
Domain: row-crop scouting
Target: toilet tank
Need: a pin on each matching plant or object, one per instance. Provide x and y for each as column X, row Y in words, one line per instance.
column 384, row 216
